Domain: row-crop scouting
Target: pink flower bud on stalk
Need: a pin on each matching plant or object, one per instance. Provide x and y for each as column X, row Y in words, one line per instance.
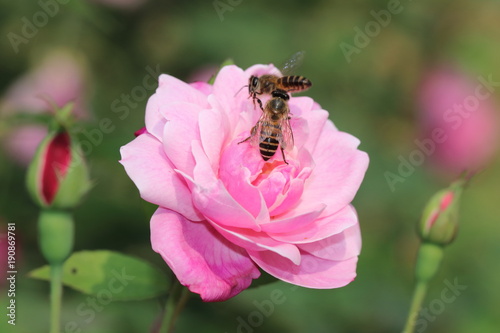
column 437, row 228
column 57, row 176
column 57, row 179
column 439, row 223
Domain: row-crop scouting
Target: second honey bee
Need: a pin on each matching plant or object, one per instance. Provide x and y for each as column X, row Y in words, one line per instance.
column 266, row 84
column 273, row 129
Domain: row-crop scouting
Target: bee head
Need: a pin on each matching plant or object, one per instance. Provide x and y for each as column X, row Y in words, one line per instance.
column 253, row 84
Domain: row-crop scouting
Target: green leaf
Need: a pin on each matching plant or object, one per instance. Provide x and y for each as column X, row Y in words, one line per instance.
column 110, row 274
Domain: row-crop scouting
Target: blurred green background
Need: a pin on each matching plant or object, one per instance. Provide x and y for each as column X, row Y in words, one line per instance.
column 371, row 96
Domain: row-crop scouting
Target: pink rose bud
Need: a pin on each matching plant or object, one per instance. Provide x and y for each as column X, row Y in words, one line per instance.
column 58, row 176
column 439, row 224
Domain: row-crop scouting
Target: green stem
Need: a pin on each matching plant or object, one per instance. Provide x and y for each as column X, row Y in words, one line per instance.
column 175, row 303
column 429, row 259
column 55, row 297
column 416, row 305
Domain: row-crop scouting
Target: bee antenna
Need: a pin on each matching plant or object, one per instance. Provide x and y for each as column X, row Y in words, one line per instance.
column 240, row 90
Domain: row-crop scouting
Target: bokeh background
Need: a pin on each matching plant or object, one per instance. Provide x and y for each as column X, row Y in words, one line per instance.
column 375, row 87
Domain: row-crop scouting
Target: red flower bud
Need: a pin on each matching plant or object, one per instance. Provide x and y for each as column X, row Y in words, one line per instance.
column 58, row 176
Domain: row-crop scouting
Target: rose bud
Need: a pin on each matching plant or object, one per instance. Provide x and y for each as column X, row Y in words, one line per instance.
column 58, row 176
column 439, row 224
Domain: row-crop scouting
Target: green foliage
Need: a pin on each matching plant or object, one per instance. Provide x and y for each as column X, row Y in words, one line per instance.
column 106, row 273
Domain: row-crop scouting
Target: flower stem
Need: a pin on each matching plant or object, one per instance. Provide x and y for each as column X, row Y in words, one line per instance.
column 176, row 301
column 416, row 304
column 55, row 297
column 428, row 262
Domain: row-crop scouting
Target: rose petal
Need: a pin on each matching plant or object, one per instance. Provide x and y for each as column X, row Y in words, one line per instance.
column 236, row 179
column 342, row 246
column 179, row 131
column 212, row 198
column 320, row 228
column 259, row 241
column 338, row 173
column 200, row 258
column 170, row 90
column 154, row 120
column 203, row 87
column 227, row 83
column 214, row 131
column 313, row 272
column 154, row 175
column 293, row 223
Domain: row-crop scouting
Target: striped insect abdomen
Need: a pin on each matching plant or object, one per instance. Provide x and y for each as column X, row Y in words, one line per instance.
column 294, row 83
column 269, row 144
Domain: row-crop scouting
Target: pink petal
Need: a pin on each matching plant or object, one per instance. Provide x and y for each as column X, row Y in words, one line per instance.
column 316, row 120
column 154, row 120
column 321, row 228
column 170, row 90
column 342, row 246
column 293, row 223
column 236, row 179
column 258, row 241
column 259, row 70
column 200, row 258
column 289, row 199
column 338, row 173
column 313, row 272
column 179, row 131
column 229, row 80
column 154, row 175
column 213, row 127
column 202, row 87
column 211, row 197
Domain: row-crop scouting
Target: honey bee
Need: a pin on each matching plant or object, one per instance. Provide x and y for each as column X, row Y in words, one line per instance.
column 273, row 128
column 266, row 84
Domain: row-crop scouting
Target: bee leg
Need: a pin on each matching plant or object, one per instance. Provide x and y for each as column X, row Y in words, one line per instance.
column 244, row 140
column 260, row 104
column 252, row 133
column 283, row 154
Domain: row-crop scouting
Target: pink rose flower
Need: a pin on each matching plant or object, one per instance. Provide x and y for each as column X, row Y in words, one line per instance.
column 224, row 212
column 463, row 109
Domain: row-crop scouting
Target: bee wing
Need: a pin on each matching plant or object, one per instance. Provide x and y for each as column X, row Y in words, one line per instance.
column 286, row 138
column 257, row 134
column 263, row 130
column 293, row 63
